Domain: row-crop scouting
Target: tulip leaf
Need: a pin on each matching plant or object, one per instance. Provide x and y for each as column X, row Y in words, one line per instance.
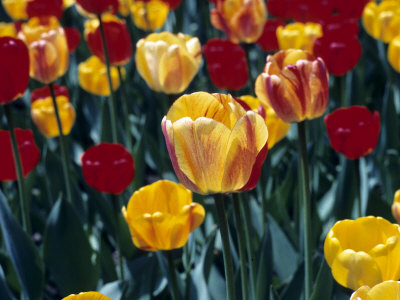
column 5, row 292
column 67, row 251
column 113, row 290
column 323, row 284
column 295, row 287
column 264, row 273
column 23, row 253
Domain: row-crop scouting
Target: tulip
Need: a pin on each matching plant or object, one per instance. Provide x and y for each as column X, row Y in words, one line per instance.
column 388, row 290
column 396, row 206
column 168, row 62
column 241, row 20
column 109, row 168
column 87, row 296
column 45, row 8
column 92, row 77
column 123, row 7
column 43, row 115
column 382, row 21
column 98, row 6
column 16, row 9
column 162, row 215
column 277, row 129
column 363, row 251
column 48, row 49
column 215, row 145
column 173, row 4
column 68, row 3
column 8, row 29
column 73, row 37
column 118, row 41
column 353, row 131
column 226, row 64
column 298, row 36
column 394, row 53
column 14, row 71
column 268, row 40
column 149, row 15
column 295, row 84
column 27, row 149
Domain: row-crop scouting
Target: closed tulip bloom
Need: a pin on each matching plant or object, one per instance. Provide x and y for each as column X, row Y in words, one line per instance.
column 118, row 40
column 48, row 49
column 298, row 36
column 162, row 215
column 14, row 71
column 98, row 6
column 226, row 64
column 87, row 296
column 396, row 206
column 268, row 40
column 215, row 145
column 394, row 53
column 108, row 168
column 92, row 77
column 168, row 62
column 295, row 84
column 277, row 129
column 365, row 251
column 43, row 115
column 241, row 20
column 16, row 9
column 27, row 149
column 353, row 131
column 149, row 15
column 382, row 21
column 388, row 290
column 73, row 37
column 45, row 8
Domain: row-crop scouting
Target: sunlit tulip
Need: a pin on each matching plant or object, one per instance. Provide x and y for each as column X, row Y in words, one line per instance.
column 92, row 77
column 28, row 152
column 124, row 6
column 268, row 40
column 162, row 215
column 68, row 3
column 382, row 20
column 87, row 296
column 295, row 84
column 168, row 62
column 353, row 131
column 226, row 64
column 277, row 129
column 98, row 6
column 241, row 20
column 73, row 37
column 394, row 53
column 108, row 168
column 365, row 251
column 149, row 15
column 396, row 206
column 45, row 8
column 215, row 145
column 14, row 70
column 7, row 29
column 298, row 36
column 16, row 9
column 118, row 40
column 388, row 290
column 48, row 49
column 43, row 115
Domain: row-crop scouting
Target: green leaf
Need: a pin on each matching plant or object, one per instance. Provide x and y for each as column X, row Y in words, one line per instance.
column 5, row 292
column 323, row 284
column 265, row 263
column 23, row 253
column 67, row 251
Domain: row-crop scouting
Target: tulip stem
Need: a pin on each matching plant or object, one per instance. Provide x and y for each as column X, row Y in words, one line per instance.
column 358, row 186
column 26, row 224
column 226, row 248
column 116, row 209
column 64, row 153
column 124, row 97
column 113, row 115
column 242, row 247
column 172, row 276
column 306, row 207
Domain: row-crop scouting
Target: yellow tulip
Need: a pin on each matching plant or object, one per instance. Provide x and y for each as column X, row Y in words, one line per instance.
column 124, row 7
column 388, row 290
column 298, row 36
column 162, row 215
column 48, row 49
column 7, row 29
column 365, row 251
column 92, row 76
column 382, row 21
column 215, row 146
column 87, row 296
column 150, row 15
column 168, row 62
column 16, row 9
column 241, row 20
column 394, row 53
column 68, row 3
column 396, row 206
column 277, row 129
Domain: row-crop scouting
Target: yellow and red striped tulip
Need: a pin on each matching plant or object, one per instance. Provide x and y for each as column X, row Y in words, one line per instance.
column 215, row 145
column 87, row 296
column 298, row 36
column 387, row 290
column 295, row 84
column 162, row 215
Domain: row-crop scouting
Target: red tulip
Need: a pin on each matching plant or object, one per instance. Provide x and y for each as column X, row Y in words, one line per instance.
column 109, row 168
column 353, row 131
column 44, row 92
column 45, row 8
column 14, row 70
column 226, row 63
column 73, row 38
column 98, row 6
column 173, row 4
column 268, row 40
column 27, row 149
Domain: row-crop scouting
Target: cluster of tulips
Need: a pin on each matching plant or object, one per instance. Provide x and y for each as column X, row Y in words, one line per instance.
column 217, row 142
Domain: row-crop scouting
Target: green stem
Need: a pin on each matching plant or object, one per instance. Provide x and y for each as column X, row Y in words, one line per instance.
column 172, row 276
column 188, row 276
column 124, row 97
column 64, row 153
column 113, row 113
column 116, row 210
column 242, row 248
column 358, row 186
column 306, row 207
column 226, row 248
column 26, row 224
